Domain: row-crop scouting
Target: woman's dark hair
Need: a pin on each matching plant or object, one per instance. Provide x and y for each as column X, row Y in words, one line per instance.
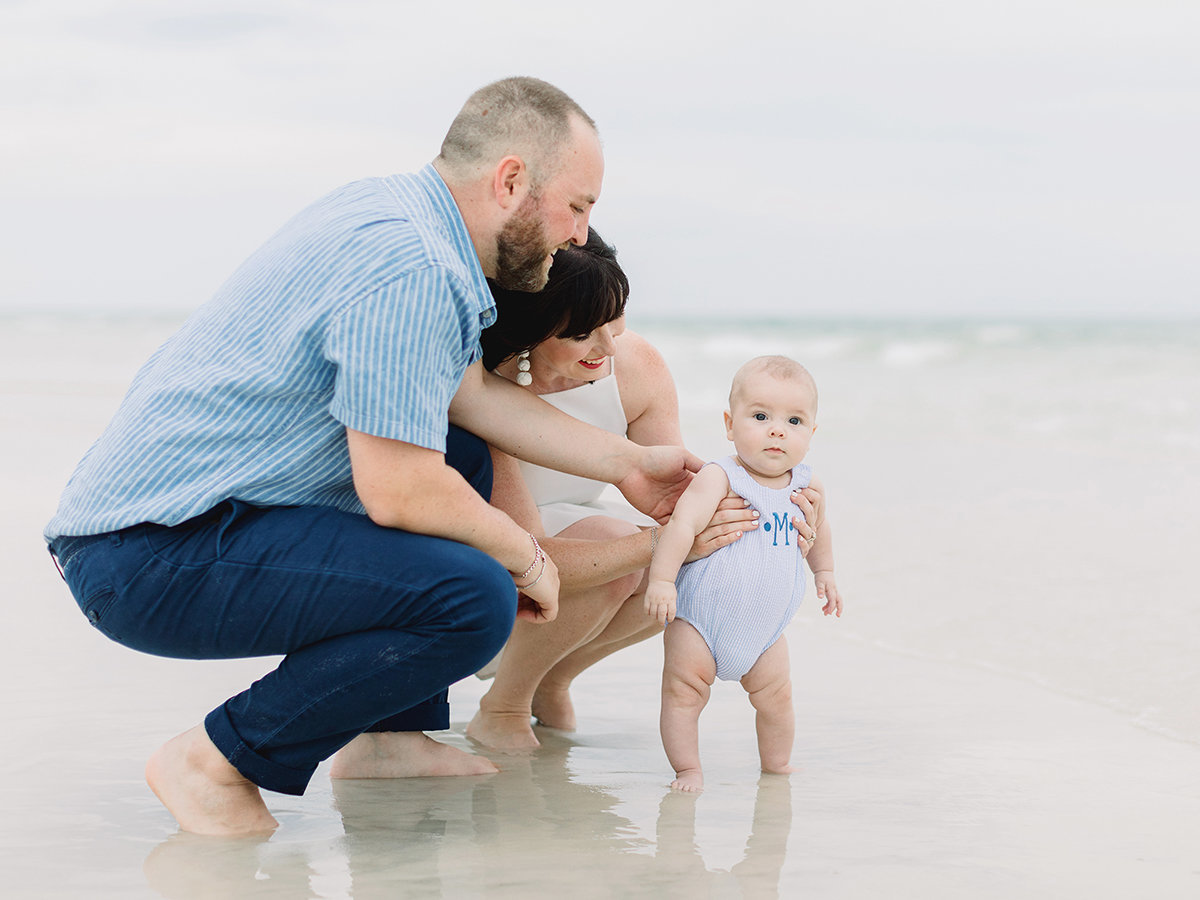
column 586, row 289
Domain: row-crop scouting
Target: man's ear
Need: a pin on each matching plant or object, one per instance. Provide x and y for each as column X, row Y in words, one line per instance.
column 510, row 182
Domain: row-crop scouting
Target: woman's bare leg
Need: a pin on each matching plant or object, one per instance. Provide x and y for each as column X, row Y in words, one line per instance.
column 503, row 720
column 552, row 704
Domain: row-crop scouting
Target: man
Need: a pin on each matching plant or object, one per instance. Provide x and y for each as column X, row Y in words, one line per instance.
column 301, row 470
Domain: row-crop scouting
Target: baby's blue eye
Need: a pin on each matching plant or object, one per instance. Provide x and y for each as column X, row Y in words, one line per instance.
column 794, row 420
column 762, row 417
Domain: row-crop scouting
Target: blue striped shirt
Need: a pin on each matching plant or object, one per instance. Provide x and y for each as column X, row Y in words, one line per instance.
column 363, row 311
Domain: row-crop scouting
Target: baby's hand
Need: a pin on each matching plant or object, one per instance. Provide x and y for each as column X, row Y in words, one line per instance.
column 660, row 601
column 827, row 590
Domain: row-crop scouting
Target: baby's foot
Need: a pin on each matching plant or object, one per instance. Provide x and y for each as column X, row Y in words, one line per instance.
column 690, row 780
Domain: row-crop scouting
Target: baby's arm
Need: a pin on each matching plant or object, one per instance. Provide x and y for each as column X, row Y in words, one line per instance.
column 820, row 560
column 692, row 514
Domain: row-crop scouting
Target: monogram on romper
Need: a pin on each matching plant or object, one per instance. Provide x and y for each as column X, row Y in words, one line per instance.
column 781, row 524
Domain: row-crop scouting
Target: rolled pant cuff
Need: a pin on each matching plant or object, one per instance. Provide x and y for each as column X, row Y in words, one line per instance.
column 429, row 715
column 260, row 770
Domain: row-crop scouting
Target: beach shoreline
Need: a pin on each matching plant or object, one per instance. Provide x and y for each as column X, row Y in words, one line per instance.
column 980, row 723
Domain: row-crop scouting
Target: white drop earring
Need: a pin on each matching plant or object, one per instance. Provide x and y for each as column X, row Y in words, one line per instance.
column 524, row 379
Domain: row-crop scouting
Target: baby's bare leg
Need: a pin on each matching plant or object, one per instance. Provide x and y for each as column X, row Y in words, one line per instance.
column 769, row 684
column 688, row 673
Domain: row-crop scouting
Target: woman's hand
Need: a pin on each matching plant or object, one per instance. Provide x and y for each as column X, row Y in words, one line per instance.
column 538, row 602
column 811, row 501
column 733, row 516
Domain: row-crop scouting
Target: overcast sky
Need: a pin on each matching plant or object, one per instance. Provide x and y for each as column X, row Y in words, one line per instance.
column 859, row 157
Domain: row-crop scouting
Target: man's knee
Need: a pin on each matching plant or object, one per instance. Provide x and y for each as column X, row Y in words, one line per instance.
column 485, row 606
column 469, row 455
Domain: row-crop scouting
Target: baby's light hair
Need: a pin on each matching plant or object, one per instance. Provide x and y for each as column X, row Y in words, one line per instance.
column 781, row 367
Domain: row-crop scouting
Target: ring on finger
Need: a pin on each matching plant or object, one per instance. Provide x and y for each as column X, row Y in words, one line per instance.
column 811, row 539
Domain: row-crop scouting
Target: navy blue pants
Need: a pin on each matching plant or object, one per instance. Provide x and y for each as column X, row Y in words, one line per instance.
column 374, row 623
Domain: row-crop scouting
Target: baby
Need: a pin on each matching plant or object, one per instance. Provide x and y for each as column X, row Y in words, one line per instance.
column 734, row 605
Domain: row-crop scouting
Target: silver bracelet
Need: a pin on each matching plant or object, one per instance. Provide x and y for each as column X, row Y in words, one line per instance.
column 653, row 541
column 524, row 587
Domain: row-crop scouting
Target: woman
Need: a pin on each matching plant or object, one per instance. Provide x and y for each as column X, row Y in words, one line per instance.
column 569, row 344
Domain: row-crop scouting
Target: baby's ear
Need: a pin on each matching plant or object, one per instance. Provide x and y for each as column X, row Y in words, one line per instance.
column 728, row 426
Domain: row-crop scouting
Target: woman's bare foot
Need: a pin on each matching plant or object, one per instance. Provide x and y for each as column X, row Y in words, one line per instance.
column 205, row 794
column 553, row 708
column 786, row 769
column 690, row 780
column 404, row 754
column 502, row 730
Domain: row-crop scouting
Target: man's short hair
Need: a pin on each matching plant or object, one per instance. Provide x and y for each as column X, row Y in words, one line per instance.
column 523, row 116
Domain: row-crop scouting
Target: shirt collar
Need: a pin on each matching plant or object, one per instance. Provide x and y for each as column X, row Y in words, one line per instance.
column 431, row 180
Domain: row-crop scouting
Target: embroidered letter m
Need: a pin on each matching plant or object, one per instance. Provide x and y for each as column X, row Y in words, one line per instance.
column 782, row 525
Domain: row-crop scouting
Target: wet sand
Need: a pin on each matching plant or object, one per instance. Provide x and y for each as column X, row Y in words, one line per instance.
column 921, row 776
column 918, row 779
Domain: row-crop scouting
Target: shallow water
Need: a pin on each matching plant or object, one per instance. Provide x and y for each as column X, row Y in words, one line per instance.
column 1016, row 496
column 987, row 720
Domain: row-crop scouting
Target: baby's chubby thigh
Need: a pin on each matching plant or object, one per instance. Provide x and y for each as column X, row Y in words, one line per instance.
column 769, row 680
column 688, row 665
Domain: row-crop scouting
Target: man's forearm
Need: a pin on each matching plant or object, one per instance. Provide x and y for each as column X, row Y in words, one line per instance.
column 527, row 427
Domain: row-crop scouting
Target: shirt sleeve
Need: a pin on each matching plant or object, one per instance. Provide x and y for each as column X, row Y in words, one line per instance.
column 400, row 357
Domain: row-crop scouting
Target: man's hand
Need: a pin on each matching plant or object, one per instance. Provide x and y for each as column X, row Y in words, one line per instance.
column 658, row 480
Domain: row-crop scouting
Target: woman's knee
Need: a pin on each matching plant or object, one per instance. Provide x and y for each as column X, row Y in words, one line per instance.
column 614, row 594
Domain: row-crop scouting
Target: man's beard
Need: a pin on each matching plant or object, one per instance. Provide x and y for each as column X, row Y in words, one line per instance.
column 521, row 249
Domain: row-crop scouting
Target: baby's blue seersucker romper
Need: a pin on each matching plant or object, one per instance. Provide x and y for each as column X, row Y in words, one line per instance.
column 741, row 597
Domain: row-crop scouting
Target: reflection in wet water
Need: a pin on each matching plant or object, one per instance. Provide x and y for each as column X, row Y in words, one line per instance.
column 533, row 826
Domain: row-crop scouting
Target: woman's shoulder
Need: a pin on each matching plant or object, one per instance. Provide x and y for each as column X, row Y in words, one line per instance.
column 647, row 391
column 637, row 356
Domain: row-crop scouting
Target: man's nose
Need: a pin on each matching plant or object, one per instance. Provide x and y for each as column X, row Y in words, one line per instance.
column 579, row 238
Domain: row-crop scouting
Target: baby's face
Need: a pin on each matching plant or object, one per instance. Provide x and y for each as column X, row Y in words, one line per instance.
column 771, row 423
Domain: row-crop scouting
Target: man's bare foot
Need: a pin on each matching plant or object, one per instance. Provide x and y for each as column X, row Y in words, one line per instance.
column 404, row 754
column 553, row 708
column 502, row 730
column 205, row 794
column 690, row 780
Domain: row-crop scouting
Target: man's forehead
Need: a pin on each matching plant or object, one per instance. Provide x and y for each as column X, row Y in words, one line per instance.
column 581, row 172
